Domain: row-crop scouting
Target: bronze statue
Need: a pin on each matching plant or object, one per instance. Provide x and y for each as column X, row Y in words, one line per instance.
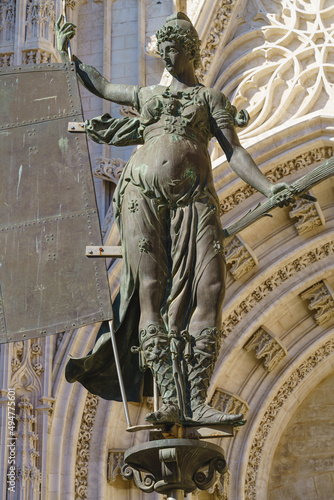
column 173, row 272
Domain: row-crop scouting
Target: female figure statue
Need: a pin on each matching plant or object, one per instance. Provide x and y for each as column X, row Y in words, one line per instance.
column 173, row 271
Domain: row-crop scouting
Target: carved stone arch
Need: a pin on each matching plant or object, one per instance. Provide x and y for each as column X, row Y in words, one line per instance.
column 263, row 433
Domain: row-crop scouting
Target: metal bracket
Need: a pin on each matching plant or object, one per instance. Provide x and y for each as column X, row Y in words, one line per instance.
column 76, row 127
column 104, row 251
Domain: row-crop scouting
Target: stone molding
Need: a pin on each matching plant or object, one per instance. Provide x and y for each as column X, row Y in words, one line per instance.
column 277, row 403
column 322, row 300
column 227, row 402
column 309, row 215
column 7, row 22
column 36, row 56
column 28, row 474
column 274, row 281
column 267, row 348
column 27, row 366
column 316, row 155
column 240, row 256
column 220, row 487
column 115, row 464
column 40, row 19
column 82, row 455
column 213, row 39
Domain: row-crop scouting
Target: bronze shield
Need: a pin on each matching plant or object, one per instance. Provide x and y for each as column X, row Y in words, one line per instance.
column 48, row 209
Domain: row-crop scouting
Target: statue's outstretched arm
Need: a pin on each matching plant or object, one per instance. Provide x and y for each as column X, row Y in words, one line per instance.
column 243, row 164
column 88, row 75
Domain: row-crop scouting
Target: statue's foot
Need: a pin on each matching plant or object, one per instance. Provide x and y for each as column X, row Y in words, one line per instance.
column 168, row 413
column 206, row 414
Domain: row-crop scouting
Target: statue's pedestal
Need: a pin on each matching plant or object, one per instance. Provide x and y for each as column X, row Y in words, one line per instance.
column 173, row 466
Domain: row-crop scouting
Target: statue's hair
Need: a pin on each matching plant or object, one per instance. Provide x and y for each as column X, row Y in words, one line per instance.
column 188, row 38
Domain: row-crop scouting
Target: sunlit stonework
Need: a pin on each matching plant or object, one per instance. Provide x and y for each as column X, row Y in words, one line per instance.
column 274, row 58
column 283, row 66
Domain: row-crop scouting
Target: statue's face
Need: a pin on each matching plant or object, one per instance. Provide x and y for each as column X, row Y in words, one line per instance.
column 175, row 58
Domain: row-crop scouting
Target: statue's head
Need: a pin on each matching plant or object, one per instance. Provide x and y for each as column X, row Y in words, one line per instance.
column 179, row 29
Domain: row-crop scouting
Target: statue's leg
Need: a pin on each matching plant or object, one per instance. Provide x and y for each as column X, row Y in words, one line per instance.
column 205, row 330
column 205, row 327
column 145, row 234
column 154, row 344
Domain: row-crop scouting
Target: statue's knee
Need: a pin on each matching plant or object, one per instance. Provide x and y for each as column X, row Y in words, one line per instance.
column 154, row 343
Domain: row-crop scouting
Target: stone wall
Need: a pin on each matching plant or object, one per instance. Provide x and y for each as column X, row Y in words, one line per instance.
column 303, row 465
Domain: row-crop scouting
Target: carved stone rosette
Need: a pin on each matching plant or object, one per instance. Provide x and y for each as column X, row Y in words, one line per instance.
column 266, row 346
column 6, row 59
column 322, row 300
column 36, row 56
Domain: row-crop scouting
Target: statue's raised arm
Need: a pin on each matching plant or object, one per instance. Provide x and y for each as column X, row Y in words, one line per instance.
column 89, row 76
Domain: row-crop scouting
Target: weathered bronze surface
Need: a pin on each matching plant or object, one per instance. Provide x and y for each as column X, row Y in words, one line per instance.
column 174, row 464
column 167, row 210
column 47, row 208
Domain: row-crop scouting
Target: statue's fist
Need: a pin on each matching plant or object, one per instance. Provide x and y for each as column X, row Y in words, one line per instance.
column 284, row 192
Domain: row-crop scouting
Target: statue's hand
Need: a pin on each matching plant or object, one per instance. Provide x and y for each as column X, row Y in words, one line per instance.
column 285, row 193
column 64, row 34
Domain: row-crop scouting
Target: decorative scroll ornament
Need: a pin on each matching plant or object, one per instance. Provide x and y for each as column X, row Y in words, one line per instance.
column 277, row 403
column 163, row 465
column 7, row 21
column 322, row 300
column 282, row 170
column 274, row 281
column 109, row 169
column 282, row 66
column 309, row 215
column 266, row 346
column 115, row 464
column 85, row 434
column 239, row 255
column 228, row 403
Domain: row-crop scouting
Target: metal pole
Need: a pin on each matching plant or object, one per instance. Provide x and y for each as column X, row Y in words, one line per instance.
column 155, row 396
column 65, row 21
column 175, row 495
column 119, row 374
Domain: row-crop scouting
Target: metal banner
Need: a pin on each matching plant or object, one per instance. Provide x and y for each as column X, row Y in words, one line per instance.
column 48, row 210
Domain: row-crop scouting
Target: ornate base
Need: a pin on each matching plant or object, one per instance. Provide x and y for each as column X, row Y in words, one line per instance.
column 174, row 464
